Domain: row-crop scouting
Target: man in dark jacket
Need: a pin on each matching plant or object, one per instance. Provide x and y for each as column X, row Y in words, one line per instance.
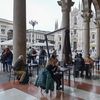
column 79, row 65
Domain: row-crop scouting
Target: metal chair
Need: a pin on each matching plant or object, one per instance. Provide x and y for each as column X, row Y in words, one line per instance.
column 12, row 74
column 72, row 71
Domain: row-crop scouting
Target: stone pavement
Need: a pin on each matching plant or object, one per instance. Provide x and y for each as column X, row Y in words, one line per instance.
column 3, row 75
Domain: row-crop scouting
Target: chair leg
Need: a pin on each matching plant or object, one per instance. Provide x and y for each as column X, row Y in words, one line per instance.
column 74, row 75
column 9, row 76
column 74, row 78
column 14, row 78
column 12, row 75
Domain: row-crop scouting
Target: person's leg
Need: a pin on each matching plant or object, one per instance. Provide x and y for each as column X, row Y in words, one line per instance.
column 33, row 59
column 10, row 66
column 29, row 59
column 39, row 61
column 6, row 65
column 3, row 66
column 82, row 71
column 76, row 71
column 87, row 70
column 22, row 73
column 57, row 78
column 17, row 73
column 43, row 61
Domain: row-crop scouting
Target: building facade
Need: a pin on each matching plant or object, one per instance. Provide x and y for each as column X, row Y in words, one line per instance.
column 77, row 31
column 32, row 36
column 35, row 36
column 6, row 28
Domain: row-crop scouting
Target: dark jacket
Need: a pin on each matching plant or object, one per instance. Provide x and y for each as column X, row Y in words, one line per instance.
column 3, row 57
column 9, row 58
column 19, row 65
column 42, row 56
column 79, row 63
column 51, row 69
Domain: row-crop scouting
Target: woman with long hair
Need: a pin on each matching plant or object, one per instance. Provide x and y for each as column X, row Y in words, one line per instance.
column 52, row 67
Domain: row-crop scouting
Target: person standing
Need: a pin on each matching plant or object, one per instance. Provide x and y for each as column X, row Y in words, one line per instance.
column 42, row 57
column 9, row 60
column 89, row 64
column 79, row 65
column 3, row 60
column 82, row 64
column 32, row 55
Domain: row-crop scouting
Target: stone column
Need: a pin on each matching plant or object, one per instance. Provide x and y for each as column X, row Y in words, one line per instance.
column 98, row 39
column 19, row 26
column 86, row 35
column 65, row 45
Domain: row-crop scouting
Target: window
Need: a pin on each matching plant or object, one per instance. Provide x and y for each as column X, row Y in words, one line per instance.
column 93, row 48
column 59, row 38
column 75, row 20
column 74, row 45
column 2, row 31
column 74, row 31
column 3, row 26
column 93, row 36
column 71, row 33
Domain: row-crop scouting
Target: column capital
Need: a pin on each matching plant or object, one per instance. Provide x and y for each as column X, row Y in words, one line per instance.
column 66, row 6
column 87, row 15
column 98, row 14
column 97, row 22
column 97, row 19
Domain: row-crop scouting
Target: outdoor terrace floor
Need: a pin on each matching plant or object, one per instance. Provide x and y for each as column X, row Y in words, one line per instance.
column 81, row 89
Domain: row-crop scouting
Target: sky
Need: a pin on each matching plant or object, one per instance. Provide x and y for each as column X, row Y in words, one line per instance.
column 45, row 12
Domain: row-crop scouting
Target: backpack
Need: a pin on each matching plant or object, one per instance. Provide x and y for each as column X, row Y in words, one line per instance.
column 26, row 79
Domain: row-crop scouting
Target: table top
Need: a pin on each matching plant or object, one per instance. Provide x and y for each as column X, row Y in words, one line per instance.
column 33, row 64
column 63, row 69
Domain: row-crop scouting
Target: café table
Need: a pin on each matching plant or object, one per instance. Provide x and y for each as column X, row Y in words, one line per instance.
column 63, row 70
column 32, row 66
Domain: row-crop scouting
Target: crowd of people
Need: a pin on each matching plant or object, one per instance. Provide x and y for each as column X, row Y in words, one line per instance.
column 83, row 64
column 40, row 56
column 50, row 65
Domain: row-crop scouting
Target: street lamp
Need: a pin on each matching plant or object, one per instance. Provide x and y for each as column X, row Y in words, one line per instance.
column 33, row 23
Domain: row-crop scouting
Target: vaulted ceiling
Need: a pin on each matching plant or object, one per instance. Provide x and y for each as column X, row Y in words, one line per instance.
column 87, row 6
column 96, row 4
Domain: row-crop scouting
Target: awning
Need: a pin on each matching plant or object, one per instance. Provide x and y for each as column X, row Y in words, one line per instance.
column 7, row 43
column 10, row 43
column 42, row 44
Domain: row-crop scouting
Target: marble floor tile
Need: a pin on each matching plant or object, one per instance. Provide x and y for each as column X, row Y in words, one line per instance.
column 15, row 94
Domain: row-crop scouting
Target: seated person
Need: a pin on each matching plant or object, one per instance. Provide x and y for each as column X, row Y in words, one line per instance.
column 52, row 67
column 19, row 68
column 89, row 64
column 79, row 65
